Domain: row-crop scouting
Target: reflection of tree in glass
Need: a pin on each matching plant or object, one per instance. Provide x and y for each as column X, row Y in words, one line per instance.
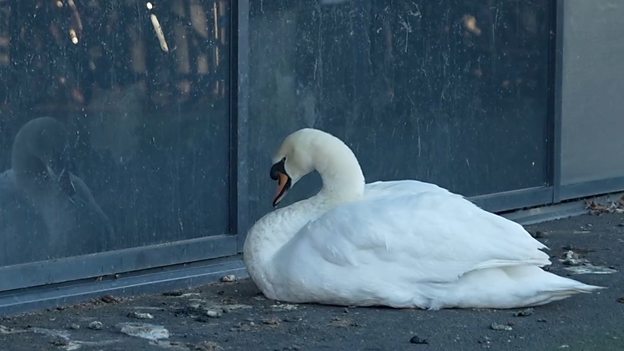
column 69, row 50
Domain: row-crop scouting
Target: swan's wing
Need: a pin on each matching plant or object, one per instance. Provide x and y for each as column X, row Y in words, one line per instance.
column 435, row 236
column 400, row 188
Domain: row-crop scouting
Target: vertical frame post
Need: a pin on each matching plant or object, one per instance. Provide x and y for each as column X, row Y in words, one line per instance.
column 557, row 98
column 239, row 128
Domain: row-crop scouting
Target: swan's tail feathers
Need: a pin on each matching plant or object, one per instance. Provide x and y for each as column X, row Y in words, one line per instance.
column 589, row 288
column 548, row 296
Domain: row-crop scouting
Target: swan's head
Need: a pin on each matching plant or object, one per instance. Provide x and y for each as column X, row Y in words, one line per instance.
column 309, row 149
column 41, row 153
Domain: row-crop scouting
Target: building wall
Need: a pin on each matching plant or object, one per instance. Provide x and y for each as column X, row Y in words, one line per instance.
column 460, row 93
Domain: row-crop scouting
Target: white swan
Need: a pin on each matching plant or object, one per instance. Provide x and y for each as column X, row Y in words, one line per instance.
column 399, row 244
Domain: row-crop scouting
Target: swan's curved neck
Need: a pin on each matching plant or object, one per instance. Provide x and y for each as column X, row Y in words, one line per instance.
column 341, row 173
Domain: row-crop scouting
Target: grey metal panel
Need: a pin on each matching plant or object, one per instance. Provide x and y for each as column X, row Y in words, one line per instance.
column 591, row 188
column 556, row 211
column 592, row 86
column 111, row 262
column 547, row 213
column 515, row 199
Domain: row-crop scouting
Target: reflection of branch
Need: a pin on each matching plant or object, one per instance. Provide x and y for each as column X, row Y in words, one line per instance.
column 76, row 27
column 157, row 29
column 198, row 19
column 76, row 70
column 5, row 40
column 215, row 15
column 159, row 33
column 75, row 14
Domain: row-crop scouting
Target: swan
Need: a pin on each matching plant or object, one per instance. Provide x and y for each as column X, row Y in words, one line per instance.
column 45, row 210
column 403, row 244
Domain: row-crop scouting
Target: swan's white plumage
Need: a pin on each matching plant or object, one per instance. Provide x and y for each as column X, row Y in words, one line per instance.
column 400, row 243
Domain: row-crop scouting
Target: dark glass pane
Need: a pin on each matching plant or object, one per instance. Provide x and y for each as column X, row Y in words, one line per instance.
column 451, row 92
column 141, row 91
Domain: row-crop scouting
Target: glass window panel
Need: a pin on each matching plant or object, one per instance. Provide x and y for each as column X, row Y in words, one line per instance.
column 451, row 92
column 138, row 96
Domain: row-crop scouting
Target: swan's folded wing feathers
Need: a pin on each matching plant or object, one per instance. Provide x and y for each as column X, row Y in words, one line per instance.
column 434, row 237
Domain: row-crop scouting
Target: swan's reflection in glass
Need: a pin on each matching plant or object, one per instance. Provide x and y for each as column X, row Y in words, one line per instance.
column 44, row 207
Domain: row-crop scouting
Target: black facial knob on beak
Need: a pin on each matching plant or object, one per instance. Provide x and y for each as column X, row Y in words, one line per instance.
column 278, row 168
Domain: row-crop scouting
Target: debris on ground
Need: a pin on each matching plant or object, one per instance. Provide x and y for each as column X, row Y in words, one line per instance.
column 292, row 319
column 140, row 315
column 60, row 342
column 110, row 299
column 596, row 208
column 228, row 278
column 500, row 327
column 206, row 346
column 284, row 307
column 590, row 269
column 571, row 258
column 271, row 321
column 6, row 330
column 524, row 313
column 578, row 250
column 577, row 264
column 417, row 340
column 96, row 325
column 144, row 330
column 199, row 308
column 213, row 313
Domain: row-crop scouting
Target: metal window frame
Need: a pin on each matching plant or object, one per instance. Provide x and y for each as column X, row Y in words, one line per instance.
column 242, row 121
column 556, row 99
column 117, row 261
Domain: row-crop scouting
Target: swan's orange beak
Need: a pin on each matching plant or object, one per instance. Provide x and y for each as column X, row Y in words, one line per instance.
column 283, row 183
column 278, row 172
